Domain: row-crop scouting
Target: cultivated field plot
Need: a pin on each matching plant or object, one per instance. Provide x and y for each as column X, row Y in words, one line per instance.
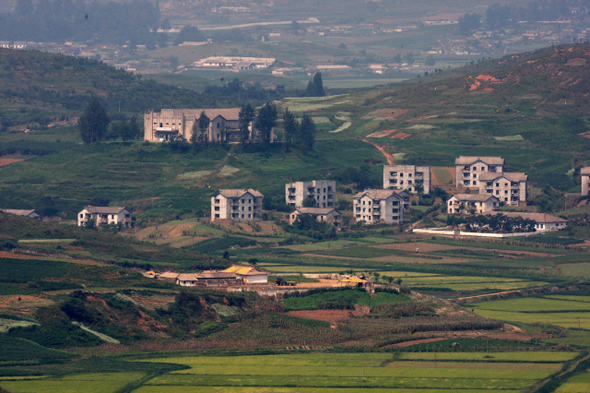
column 379, row 372
column 561, row 310
column 577, row 384
column 461, row 283
column 87, row 383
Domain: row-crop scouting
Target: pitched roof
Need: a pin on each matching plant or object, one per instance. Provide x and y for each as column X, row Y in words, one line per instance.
column 168, row 275
column 537, row 217
column 467, row 160
column 585, row 170
column 315, row 210
column 236, row 193
column 104, row 209
column 473, row 197
column 206, row 275
column 226, row 113
column 512, row 176
column 244, row 270
column 19, row 212
column 378, row 194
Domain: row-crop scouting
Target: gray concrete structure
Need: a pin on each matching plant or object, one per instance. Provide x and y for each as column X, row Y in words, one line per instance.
column 323, row 192
column 407, row 177
column 378, row 206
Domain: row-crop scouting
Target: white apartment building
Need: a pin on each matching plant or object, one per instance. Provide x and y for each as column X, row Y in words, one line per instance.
column 468, row 169
column 322, row 191
column 104, row 215
column 378, row 206
column 508, row 187
column 585, row 174
column 463, row 203
column 236, row 205
column 406, row 177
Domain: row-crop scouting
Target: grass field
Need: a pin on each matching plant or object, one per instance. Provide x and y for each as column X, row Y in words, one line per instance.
column 88, row 383
column 577, row 384
column 324, row 372
column 565, row 311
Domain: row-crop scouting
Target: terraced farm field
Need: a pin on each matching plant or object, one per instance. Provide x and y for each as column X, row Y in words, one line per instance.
column 379, row 372
column 88, row 383
column 561, row 310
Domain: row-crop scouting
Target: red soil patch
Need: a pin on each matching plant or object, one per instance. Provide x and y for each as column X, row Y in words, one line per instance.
column 415, row 342
column 488, row 89
column 8, row 161
column 331, row 316
column 585, row 134
column 382, row 133
column 401, row 135
column 487, row 78
column 12, row 255
column 389, row 113
column 390, row 159
column 474, row 85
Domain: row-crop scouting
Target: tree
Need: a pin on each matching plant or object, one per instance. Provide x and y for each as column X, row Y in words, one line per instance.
column 188, row 33
column 468, row 23
column 94, row 122
column 315, row 87
column 306, row 134
column 290, row 126
column 134, row 128
column 245, row 118
column 266, row 120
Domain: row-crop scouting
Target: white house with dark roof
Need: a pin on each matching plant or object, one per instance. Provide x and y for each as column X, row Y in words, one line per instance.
column 508, row 187
column 378, row 206
column 463, row 203
column 31, row 213
column 322, row 214
column 585, row 177
column 468, row 169
column 543, row 222
column 102, row 215
column 236, row 205
column 171, row 124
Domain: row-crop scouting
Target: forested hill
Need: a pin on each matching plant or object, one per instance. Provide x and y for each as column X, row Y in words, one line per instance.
column 43, row 87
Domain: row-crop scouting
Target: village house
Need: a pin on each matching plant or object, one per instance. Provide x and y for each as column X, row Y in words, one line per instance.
column 585, row 174
column 104, row 215
column 378, row 206
column 323, row 192
column 208, row 278
column 249, row 275
column 468, row 169
column 172, row 124
column 508, row 187
column 543, row 222
column 472, row 203
column 31, row 213
column 407, row 177
column 236, row 205
column 322, row 214
column 235, row 62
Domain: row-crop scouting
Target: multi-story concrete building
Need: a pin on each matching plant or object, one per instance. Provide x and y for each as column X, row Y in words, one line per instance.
column 237, row 205
column 104, row 215
column 468, row 169
column 171, row 124
column 407, row 177
column 472, row 203
column 585, row 174
column 378, row 206
column 508, row 187
column 322, row 214
column 323, row 192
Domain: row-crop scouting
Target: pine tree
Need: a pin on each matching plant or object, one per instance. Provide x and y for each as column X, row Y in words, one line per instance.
column 203, row 126
column 315, row 87
column 290, row 127
column 245, row 118
column 306, row 134
column 266, row 120
column 94, row 122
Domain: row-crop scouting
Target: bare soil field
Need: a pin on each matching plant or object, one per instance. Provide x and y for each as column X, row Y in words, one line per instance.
column 331, row 316
column 22, row 304
column 8, row 161
column 424, row 247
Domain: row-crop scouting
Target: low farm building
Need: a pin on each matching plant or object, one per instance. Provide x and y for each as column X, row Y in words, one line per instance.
column 543, row 222
column 322, row 214
column 248, row 274
column 31, row 213
column 208, row 279
column 101, row 215
column 476, row 203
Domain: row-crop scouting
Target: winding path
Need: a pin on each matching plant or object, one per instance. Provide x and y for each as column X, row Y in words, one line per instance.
column 389, row 157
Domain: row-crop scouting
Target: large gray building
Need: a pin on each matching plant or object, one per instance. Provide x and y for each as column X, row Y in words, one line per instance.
column 323, row 192
column 407, row 177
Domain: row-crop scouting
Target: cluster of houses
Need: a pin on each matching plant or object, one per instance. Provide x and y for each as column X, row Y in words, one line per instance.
column 235, row 275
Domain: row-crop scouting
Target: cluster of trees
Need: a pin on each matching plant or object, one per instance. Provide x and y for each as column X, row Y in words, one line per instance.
column 493, row 223
column 61, row 20
column 95, row 125
column 299, row 134
column 505, row 16
column 315, row 87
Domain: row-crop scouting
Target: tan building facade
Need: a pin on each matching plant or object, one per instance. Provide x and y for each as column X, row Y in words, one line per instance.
column 171, row 124
column 407, row 177
column 378, row 206
column 236, row 205
column 508, row 187
column 322, row 214
column 467, row 203
column 585, row 175
column 468, row 169
column 323, row 192
column 104, row 216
